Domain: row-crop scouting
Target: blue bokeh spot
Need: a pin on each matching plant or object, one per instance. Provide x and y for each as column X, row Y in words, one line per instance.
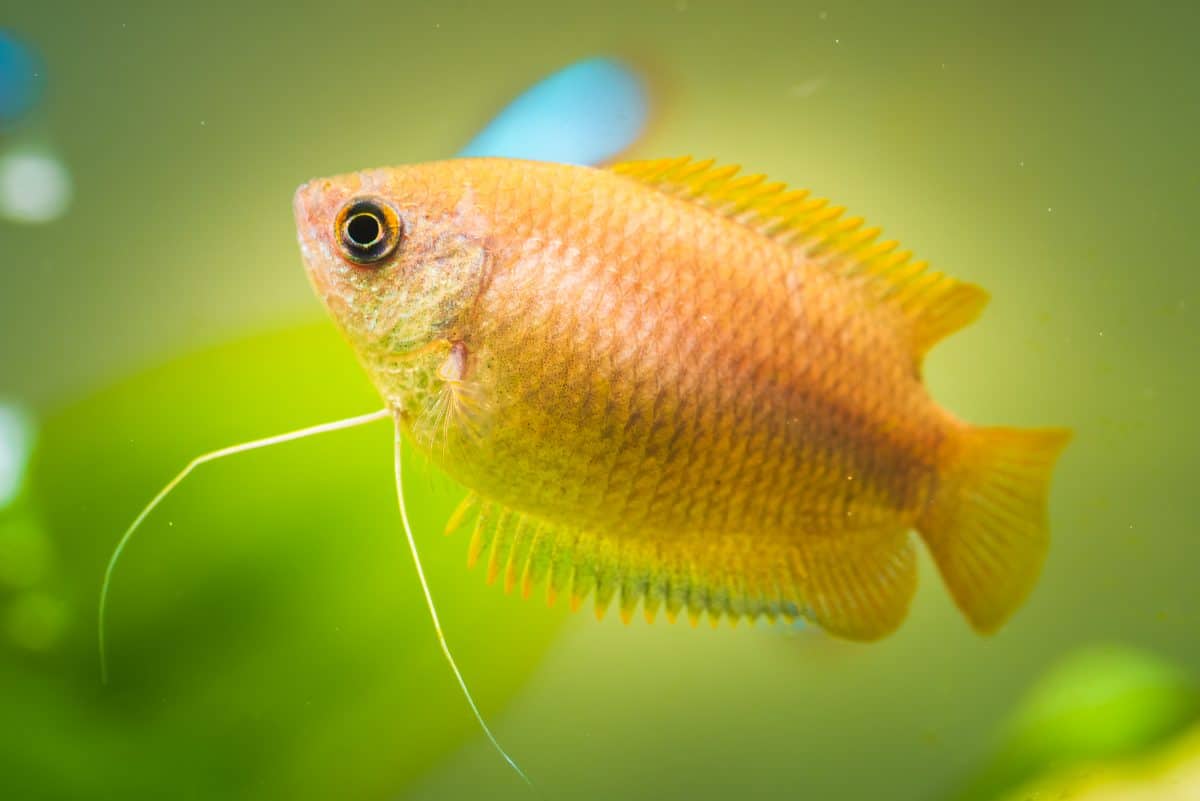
column 20, row 78
column 587, row 113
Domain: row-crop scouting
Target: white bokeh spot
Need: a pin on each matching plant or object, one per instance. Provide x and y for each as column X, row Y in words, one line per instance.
column 16, row 442
column 34, row 187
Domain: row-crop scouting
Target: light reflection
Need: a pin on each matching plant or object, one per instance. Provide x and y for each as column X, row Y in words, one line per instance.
column 16, row 442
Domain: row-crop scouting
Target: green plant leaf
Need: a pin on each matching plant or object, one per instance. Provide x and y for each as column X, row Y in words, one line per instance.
column 268, row 638
column 1097, row 705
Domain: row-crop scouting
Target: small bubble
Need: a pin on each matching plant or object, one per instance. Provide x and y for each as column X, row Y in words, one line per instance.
column 824, row 15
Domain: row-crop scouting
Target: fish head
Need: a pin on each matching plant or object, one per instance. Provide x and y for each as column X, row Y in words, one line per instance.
column 397, row 255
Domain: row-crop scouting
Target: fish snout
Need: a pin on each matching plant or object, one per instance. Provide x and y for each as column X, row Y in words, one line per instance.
column 307, row 205
column 310, row 207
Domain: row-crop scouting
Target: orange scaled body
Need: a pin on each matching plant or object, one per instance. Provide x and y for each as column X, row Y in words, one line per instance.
column 671, row 385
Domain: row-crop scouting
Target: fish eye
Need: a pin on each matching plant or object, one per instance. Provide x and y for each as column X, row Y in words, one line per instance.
column 368, row 231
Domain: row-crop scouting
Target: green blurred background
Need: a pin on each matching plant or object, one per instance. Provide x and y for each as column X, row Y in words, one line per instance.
column 268, row 638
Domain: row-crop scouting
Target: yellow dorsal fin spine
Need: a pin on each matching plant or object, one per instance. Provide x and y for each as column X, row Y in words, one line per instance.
column 838, row 236
column 934, row 304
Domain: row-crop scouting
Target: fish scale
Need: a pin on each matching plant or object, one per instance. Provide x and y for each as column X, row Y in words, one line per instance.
column 692, row 389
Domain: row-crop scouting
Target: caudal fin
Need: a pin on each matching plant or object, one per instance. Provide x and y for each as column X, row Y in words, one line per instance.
column 987, row 524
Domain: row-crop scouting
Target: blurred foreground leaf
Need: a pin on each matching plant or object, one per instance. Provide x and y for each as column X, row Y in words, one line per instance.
column 1097, row 705
column 268, row 637
column 1168, row 774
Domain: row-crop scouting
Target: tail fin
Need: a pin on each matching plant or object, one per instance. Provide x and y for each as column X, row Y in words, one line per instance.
column 986, row 525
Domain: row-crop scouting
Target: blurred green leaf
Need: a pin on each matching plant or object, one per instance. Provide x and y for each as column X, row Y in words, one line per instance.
column 1098, row 704
column 1169, row 773
column 268, row 637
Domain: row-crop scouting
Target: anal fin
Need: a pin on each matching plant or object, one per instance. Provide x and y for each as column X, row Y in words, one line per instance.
column 858, row 585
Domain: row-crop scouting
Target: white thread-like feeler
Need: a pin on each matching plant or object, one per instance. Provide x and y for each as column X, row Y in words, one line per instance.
column 323, row 428
column 437, row 625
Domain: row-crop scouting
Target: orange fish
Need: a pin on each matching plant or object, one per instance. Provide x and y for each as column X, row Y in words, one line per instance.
column 668, row 384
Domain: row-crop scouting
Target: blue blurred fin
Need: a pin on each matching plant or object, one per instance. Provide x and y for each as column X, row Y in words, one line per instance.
column 587, row 113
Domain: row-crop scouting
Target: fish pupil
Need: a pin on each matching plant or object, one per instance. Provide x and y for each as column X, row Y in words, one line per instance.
column 364, row 230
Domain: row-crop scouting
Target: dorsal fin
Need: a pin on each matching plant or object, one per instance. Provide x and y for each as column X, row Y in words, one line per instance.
column 935, row 304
